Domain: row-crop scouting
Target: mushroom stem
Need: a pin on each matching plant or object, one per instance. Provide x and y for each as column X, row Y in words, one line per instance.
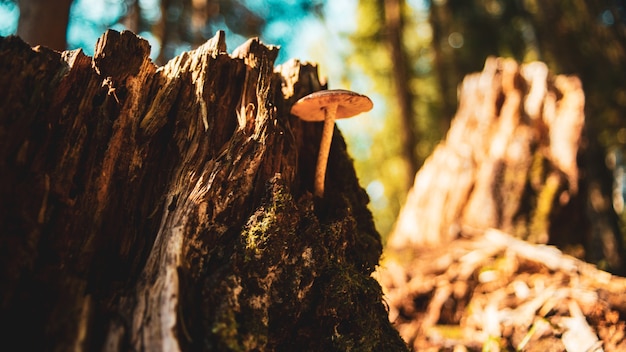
column 322, row 159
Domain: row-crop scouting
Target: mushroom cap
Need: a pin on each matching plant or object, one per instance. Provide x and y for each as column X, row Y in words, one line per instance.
column 312, row 106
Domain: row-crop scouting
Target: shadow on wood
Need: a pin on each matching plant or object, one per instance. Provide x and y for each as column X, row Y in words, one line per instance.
column 170, row 208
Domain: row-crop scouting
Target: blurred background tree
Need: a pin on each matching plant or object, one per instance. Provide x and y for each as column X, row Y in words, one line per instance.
column 409, row 56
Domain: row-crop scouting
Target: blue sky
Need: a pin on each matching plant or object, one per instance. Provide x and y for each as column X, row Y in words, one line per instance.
column 86, row 14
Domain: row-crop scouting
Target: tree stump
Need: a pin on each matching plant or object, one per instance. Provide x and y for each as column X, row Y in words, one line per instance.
column 170, row 208
column 508, row 161
column 457, row 275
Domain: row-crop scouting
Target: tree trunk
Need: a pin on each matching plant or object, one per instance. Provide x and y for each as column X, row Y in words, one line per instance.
column 44, row 22
column 443, row 60
column 409, row 134
column 170, row 208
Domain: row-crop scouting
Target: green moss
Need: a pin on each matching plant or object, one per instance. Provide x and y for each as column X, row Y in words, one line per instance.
column 264, row 223
column 449, row 332
column 540, row 221
column 352, row 305
column 255, row 235
column 494, row 343
column 227, row 330
column 544, row 185
column 304, row 279
column 537, row 171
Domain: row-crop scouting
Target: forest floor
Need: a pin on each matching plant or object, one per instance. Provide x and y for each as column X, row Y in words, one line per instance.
column 497, row 293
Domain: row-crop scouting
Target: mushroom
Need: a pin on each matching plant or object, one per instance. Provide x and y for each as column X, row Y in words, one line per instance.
column 327, row 106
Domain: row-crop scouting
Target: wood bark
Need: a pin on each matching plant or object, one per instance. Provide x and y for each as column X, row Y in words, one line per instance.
column 170, row 208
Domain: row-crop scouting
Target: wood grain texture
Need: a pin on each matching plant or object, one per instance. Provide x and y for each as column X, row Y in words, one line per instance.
column 170, row 208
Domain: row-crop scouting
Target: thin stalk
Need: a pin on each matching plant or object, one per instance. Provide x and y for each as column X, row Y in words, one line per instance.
column 322, row 158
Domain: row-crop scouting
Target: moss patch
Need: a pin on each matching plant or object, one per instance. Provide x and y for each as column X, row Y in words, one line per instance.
column 299, row 283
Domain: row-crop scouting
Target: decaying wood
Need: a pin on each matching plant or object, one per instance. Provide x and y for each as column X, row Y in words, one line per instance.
column 458, row 275
column 497, row 292
column 508, row 161
column 170, row 208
